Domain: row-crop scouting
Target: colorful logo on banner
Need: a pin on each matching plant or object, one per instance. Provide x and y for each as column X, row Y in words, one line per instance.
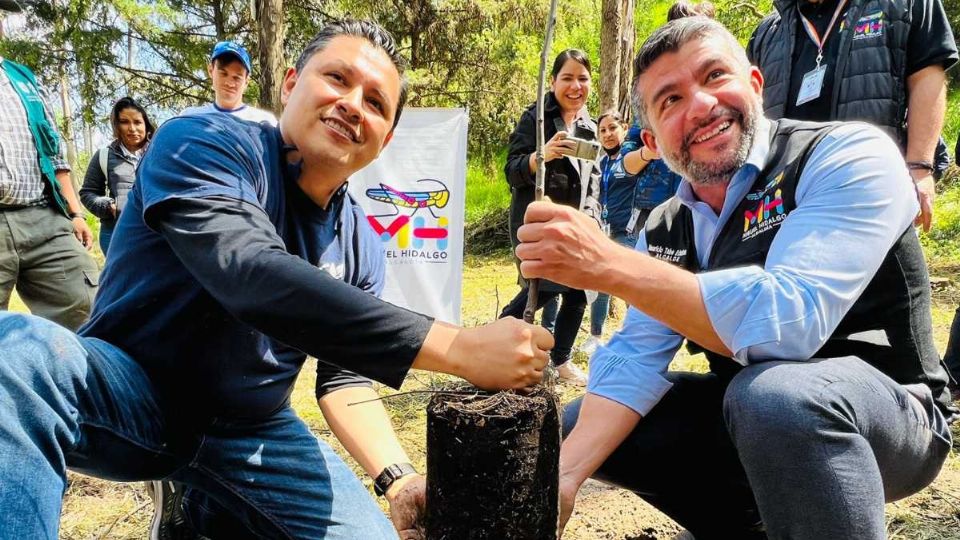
column 409, row 235
column 868, row 27
column 769, row 211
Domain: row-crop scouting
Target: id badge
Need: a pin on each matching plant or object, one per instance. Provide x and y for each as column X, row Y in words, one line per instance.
column 606, row 229
column 811, row 85
column 632, row 224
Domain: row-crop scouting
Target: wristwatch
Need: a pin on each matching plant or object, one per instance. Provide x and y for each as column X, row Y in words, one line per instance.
column 389, row 475
column 920, row 166
column 75, row 215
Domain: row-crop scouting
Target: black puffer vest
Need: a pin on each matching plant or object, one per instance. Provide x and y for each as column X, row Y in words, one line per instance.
column 889, row 326
column 870, row 80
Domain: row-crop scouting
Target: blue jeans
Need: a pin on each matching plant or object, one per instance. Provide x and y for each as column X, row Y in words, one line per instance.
column 799, row 450
column 80, row 403
column 601, row 306
column 106, row 233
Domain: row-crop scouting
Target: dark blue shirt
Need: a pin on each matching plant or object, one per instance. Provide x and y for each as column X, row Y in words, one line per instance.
column 616, row 193
column 201, row 287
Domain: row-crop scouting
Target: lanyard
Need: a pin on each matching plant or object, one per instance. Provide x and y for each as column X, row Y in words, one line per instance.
column 605, row 185
column 812, row 30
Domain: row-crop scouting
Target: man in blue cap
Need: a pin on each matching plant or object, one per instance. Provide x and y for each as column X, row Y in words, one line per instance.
column 229, row 70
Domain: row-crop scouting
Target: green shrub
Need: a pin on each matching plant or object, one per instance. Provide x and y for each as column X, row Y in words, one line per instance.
column 942, row 243
column 487, row 189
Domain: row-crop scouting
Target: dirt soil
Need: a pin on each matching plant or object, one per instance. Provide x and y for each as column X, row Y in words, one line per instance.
column 99, row 509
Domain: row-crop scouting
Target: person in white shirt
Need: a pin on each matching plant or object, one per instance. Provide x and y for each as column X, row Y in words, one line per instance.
column 229, row 70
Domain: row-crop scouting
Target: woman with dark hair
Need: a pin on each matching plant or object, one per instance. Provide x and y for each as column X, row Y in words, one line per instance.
column 568, row 181
column 110, row 174
column 631, row 185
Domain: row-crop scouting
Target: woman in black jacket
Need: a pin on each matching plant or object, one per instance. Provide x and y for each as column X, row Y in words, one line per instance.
column 568, row 181
column 110, row 174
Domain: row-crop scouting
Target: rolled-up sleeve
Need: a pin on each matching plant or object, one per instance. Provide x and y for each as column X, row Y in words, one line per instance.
column 631, row 368
column 854, row 200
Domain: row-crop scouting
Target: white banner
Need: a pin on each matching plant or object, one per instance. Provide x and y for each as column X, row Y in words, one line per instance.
column 413, row 195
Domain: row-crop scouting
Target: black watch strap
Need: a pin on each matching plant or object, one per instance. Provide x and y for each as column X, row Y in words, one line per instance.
column 920, row 166
column 389, row 475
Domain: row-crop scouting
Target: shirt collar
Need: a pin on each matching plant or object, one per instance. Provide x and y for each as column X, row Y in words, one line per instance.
column 130, row 153
column 221, row 109
column 745, row 175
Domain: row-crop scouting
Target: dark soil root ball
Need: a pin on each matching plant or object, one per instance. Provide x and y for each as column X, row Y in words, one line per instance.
column 492, row 466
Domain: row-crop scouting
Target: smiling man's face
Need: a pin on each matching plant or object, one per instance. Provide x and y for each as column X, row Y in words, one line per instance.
column 339, row 109
column 702, row 107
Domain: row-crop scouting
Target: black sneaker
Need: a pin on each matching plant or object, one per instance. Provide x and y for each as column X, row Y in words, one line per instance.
column 169, row 521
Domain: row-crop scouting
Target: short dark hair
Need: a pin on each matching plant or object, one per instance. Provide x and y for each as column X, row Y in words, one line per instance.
column 124, row 103
column 670, row 38
column 570, row 54
column 225, row 60
column 682, row 8
column 368, row 30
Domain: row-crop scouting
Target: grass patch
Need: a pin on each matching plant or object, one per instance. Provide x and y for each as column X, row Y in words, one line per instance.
column 487, row 189
column 942, row 243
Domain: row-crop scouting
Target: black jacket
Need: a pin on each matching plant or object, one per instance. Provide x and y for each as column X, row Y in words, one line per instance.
column 568, row 181
column 871, row 74
column 870, row 78
column 99, row 191
column 564, row 178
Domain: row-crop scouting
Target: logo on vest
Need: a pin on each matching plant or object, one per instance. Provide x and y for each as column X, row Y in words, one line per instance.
column 870, row 26
column 667, row 254
column 768, row 213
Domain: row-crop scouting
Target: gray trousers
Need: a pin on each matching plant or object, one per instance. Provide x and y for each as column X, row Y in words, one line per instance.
column 785, row 450
column 53, row 274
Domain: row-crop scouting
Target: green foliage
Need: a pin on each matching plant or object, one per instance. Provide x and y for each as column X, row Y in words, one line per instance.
column 951, row 122
column 487, row 189
column 942, row 243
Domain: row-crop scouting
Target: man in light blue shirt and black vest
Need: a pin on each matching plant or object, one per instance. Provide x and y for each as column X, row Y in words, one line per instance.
column 789, row 257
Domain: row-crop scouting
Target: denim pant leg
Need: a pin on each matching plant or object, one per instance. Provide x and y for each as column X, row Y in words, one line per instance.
column 601, row 306
column 68, row 402
column 598, row 314
column 825, row 443
column 952, row 355
column 106, row 233
column 273, row 478
column 680, row 459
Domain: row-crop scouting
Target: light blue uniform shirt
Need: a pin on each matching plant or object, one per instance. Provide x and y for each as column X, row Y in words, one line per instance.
column 854, row 199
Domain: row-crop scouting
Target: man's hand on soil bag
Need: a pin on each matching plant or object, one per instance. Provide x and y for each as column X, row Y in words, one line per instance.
column 505, row 354
column 408, row 497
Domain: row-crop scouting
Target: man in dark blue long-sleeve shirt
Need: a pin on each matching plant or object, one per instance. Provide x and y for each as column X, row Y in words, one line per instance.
column 219, row 287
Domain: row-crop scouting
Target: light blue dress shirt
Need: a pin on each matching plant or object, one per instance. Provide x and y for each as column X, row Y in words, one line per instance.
column 854, row 199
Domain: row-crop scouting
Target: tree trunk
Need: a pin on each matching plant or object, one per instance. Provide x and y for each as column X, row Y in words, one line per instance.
column 610, row 30
column 272, row 64
column 88, row 139
column 67, row 133
column 219, row 22
column 627, row 39
column 131, row 50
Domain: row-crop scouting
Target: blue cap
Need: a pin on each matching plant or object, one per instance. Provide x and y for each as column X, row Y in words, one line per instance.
column 230, row 47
